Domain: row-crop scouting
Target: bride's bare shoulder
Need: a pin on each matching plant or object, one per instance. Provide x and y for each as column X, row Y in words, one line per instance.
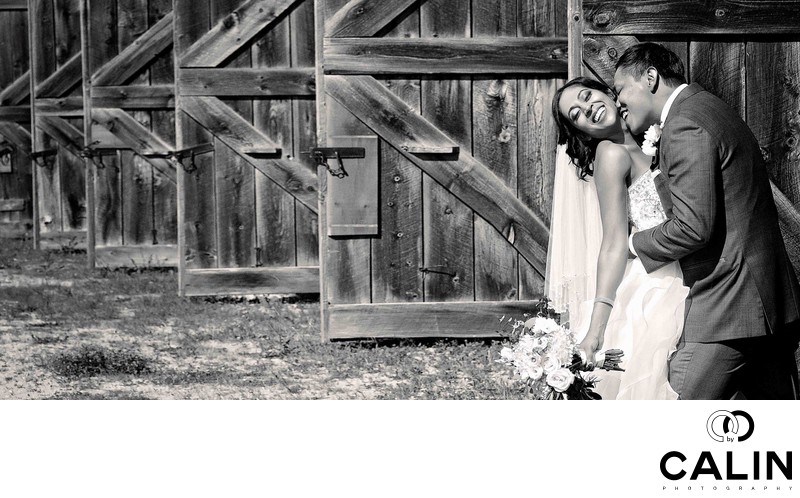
column 611, row 160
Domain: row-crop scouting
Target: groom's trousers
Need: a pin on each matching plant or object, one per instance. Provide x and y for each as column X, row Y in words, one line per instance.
column 757, row 368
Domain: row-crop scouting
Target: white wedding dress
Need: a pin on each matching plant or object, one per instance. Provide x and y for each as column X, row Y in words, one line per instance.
column 647, row 319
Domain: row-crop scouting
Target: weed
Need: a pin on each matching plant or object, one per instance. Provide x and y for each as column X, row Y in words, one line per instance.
column 90, row 360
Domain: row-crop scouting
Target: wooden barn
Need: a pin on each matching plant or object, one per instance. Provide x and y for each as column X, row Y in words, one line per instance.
column 395, row 157
column 16, row 163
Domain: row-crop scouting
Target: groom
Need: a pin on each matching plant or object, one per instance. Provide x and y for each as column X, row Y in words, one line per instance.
column 743, row 309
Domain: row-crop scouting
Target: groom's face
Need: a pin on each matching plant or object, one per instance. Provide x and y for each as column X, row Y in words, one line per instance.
column 635, row 100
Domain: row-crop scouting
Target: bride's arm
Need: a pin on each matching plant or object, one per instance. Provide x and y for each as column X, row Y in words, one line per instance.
column 612, row 166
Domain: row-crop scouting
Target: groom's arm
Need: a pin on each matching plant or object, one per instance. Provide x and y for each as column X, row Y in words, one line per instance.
column 693, row 164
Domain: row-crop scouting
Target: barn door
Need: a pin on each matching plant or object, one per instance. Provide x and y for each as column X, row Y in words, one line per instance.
column 16, row 203
column 457, row 95
column 248, row 200
column 57, row 118
column 129, row 132
column 723, row 48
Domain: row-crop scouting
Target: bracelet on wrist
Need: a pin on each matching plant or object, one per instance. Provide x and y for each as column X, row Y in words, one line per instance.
column 604, row 300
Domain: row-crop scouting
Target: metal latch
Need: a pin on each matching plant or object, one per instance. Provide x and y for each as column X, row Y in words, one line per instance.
column 44, row 158
column 322, row 154
column 96, row 155
column 176, row 157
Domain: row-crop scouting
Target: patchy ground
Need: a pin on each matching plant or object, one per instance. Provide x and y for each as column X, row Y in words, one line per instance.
column 70, row 333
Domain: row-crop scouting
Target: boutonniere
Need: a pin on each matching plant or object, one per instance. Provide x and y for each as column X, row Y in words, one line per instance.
column 651, row 138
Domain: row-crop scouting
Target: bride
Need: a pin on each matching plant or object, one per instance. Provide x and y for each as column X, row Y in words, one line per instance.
column 605, row 187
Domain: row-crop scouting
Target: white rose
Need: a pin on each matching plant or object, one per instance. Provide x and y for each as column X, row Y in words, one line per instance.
column 546, row 326
column 552, row 364
column 526, row 343
column 531, row 372
column 649, row 149
column 653, row 134
column 561, row 379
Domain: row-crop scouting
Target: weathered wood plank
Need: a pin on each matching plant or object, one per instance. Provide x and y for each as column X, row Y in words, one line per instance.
column 130, row 131
column 86, row 20
column 13, row 5
column 622, row 17
column 347, row 258
column 353, row 200
column 15, row 113
column 67, row 136
column 575, row 33
column 364, row 17
column 232, row 32
column 462, row 320
column 73, row 185
column 536, row 156
column 43, row 58
column 248, row 82
column 396, row 260
column 67, row 106
column 196, row 191
column 59, row 83
column 137, row 256
column 600, row 54
column 18, row 91
column 67, row 38
column 321, row 108
column 537, row 144
column 14, row 56
column 720, row 68
column 137, row 55
column 773, row 112
column 131, row 134
column 447, row 222
column 228, row 125
column 304, row 133
column 464, row 176
column 275, row 220
column 495, row 55
column 17, row 135
column 238, row 134
column 12, row 204
column 239, row 281
column 494, row 136
column 108, row 203
column 165, row 194
column 134, row 97
column 542, row 18
column 235, row 209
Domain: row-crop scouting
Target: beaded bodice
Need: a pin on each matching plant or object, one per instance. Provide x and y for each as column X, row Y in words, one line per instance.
column 644, row 206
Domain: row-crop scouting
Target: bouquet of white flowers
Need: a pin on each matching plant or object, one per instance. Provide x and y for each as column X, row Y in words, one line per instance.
column 545, row 356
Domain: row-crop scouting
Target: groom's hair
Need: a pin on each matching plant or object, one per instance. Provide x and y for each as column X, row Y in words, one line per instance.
column 638, row 58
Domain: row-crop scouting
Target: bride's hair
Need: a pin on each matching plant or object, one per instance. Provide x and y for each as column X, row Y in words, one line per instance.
column 580, row 146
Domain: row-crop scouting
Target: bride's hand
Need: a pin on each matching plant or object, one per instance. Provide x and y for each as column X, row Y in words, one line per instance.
column 590, row 345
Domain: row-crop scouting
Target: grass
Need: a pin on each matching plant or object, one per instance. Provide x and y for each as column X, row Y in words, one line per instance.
column 70, row 333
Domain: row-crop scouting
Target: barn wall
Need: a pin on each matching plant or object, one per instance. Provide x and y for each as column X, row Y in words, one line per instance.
column 432, row 245
column 16, row 193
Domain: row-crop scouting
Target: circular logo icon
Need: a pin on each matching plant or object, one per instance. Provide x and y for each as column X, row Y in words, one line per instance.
column 728, row 426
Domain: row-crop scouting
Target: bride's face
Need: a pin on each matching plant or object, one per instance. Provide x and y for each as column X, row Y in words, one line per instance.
column 590, row 111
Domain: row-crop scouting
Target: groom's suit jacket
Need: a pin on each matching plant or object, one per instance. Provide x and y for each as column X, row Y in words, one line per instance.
column 723, row 226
